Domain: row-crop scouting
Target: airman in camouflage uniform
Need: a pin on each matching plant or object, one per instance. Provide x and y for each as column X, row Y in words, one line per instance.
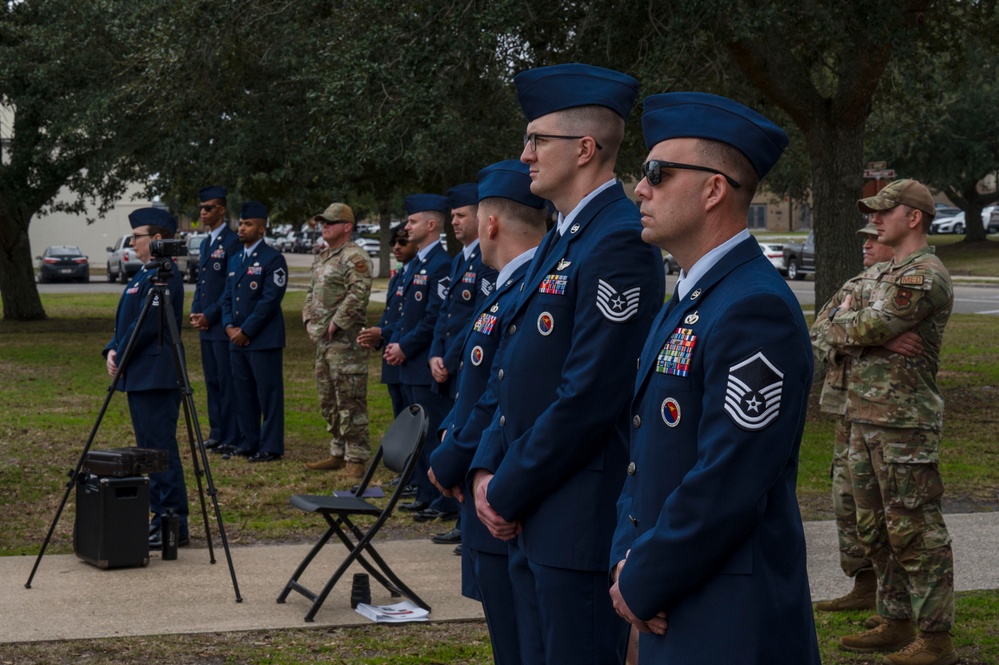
column 832, row 369
column 335, row 311
column 896, row 415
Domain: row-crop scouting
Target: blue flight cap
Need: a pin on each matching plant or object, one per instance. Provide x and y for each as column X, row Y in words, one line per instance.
column 153, row 216
column 423, row 202
column 548, row 89
column 253, row 210
column 463, row 195
column 700, row 115
column 509, row 179
column 212, row 192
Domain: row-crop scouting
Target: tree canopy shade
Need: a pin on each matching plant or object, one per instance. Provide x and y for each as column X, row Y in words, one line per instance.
column 66, row 123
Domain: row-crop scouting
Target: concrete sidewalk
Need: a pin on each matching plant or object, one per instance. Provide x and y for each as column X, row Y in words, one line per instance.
column 70, row 599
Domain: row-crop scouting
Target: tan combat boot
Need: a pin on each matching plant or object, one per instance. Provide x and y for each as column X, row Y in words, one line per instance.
column 874, row 621
column 926, row 649
column 891, row 635
column 862, row 597
column 331, row 463
column 352, row 471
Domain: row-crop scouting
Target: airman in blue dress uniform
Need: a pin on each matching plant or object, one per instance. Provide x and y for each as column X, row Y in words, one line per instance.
column 149, row 376
column 252, row 318
column 409, row 348
column 206, row 315
column 511, row 225
column 709, row 552
column 375, row 337
column 552, row 462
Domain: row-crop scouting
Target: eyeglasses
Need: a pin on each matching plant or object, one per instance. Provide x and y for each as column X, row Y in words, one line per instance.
column 136, row 236
column 533, row 139
column 402, row 242
column 208, row 208
column 327, row 222
column 652, row 171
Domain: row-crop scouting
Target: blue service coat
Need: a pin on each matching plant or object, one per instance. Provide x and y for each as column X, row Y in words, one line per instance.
column 255, row 286
column 472, row 412
column 151, row 365
column 423, row 294
column 213, row 267
column 558, row 443
column 469, row 284
column 391, row 316
column 708, row 509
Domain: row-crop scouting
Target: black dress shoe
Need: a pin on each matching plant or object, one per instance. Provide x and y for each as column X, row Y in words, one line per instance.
column 153, row 528
column 156, row 540
column 264, row 457
column 431, row 514
column 223, row 449
column 409, row 491
column 237, row 452
column 212, row 444
column 414, row 506
column 394, row 481
column 452, row 537
column 457, row 550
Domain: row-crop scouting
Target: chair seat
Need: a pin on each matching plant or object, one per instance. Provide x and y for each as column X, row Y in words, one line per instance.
column 334, row 504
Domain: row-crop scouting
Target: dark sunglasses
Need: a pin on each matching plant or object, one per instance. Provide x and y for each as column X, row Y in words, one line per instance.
column 652, row 171
column 327, row 222
column 402, row 242
column 208, row 208
column 532, row 139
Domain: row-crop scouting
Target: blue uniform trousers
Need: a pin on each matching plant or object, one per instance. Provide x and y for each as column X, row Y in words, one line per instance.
column 261, row 395
column 437, row 406
column 154, row 419
column 493, row 589
column 576, row 624
column 218, row 389
column 398, row 396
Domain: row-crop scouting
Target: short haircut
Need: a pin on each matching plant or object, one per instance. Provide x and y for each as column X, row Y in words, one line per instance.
column 517, row 213
column 729, row 160
column 604, row 125
column 435, row 215
column 163, row 233
column 926, row 219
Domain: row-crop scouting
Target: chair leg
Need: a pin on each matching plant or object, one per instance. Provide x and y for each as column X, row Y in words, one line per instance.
column 293, row 582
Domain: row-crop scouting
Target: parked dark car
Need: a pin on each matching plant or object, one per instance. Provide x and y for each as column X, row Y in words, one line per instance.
column 799, row 258
column 670, row 265
column 188, row 265
column 63, row 262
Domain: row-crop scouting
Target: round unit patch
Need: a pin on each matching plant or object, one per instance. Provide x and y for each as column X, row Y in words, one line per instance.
column 476, row 356
column 418, row 295
column 546, row 323
column 466, row 294
column 671, row 412
column 253, row 286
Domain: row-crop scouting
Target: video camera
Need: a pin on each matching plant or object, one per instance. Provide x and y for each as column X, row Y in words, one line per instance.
column 160, row 248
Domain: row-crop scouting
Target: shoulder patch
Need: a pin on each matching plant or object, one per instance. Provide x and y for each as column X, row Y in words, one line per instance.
column 911, row 280
column 617, row 306
column 361, row 265
column 752, row 396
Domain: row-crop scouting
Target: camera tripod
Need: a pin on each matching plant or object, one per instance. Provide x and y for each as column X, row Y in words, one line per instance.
column 161, row 294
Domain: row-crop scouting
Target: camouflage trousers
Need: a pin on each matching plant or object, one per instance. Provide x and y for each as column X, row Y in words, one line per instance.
column 343, row 391
column 851, row 551
column 897, row 487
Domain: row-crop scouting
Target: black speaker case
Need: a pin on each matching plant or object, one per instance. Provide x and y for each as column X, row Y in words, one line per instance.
column 112, row 521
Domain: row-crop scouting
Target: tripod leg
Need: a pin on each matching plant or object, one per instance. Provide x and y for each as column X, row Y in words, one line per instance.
column 122, row 362
column 189, row 410
column 195, row 446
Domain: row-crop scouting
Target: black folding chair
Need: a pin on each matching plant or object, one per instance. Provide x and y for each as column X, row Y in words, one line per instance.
column 399, row 450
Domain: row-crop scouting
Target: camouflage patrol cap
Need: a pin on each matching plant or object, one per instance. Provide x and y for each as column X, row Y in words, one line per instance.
column 336, row 212
column 900, row 192
column 869, row 230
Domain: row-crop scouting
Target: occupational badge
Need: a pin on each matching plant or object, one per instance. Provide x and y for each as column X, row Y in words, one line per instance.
column 617, row 306
column 691, row 319
column 670, row 411
column 476, row 355
column 546, row 323
column 575, row 227
column 280, row 277
column 494, row 309
column 563, row 264
column 752, row 398
column 674, row 357
column 695, row 294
